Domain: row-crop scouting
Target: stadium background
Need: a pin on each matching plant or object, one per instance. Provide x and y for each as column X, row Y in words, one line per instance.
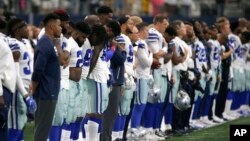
column 204, row 10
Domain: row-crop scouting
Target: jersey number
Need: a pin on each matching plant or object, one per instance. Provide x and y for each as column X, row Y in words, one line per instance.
column 79, row 62
column 130, row 57
column 86, row 59
column 26, row 69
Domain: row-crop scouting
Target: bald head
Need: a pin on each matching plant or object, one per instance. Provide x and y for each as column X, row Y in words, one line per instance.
column 92, row 20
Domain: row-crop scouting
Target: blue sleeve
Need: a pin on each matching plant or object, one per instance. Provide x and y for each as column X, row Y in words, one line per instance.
column 40, row 62
column 153, row 37
column 109, row 55
column 119, row 57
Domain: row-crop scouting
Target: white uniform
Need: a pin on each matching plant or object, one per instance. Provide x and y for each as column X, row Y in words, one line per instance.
column 215, row 53
column 30, row 51
column 180, row 47
column 247, row 47
column 157, row 43
column 76, row 59
column 87, row 53
column 200, row 55
column 97, row 83
column 25, row 61
column 101, row 71
column 145, row 59
column 7, row 67
column 236, row 71
column 130, row 56
column 17, row 113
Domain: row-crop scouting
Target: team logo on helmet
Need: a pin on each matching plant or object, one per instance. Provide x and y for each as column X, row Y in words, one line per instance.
column 182, row 101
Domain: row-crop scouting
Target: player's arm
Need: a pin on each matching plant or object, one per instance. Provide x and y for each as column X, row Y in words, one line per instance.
column 227, row 54
column 143, row 57
column 63, row 55
column 168, row 56
column 153, row 44
column 19, row 81
column 178, row 59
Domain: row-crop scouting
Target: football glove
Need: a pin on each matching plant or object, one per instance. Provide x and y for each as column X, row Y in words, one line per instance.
column 31, row 104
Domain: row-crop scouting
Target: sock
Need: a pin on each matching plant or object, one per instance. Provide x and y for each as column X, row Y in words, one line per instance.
column 116, row 127
column 84, row 122
column 137, row 115
column 92, row 128
column 98, row 121
column 168, row 114
column 235, row 101
column 14, row 134
column 247, row 99
column 21, row 137
column 158, row 115
column 55, row 133
column 207, row 105
column 195, row 114
column 213, row 104
column 76, row 130
column 122, row 126
column 65, row 133
column 244, row 100
column 148, row 116
column 230, row 96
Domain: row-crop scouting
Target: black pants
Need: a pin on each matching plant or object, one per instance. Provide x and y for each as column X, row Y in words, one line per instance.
column 222, row 95
column 181, row 118
column 110, row 113
column 4, row 114
column 43, row 118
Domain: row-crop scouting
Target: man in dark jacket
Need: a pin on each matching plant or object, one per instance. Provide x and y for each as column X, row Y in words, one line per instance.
column 117, row 71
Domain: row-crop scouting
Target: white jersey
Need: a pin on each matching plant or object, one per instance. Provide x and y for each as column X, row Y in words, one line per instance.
column 87, row 52
column 247, row 47
column 237, row 46
column 200, row 54
column 215, row 57
column 25, row 61
column 156, row 42
column 30, row 51
column 7, row 67
column 129, row 63
column 180, row 47
column 76, row 59
column 101, row 71
column 65, row 47
column 145, row 59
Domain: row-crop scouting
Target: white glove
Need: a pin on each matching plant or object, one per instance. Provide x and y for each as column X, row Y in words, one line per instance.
column 151, row 82
column 129, row 82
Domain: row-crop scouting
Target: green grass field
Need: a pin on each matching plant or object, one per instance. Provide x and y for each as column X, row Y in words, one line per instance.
column 217, row 133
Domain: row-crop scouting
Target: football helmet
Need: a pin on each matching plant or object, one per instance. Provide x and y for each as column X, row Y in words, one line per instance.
column 182, row 101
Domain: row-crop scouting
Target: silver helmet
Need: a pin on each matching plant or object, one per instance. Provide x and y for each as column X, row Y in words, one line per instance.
column 182, row 101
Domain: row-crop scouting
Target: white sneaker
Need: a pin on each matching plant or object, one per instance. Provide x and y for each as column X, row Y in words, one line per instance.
column 208, row 122
column 227, row 117
column 217, row 119
column 152, row 137
column 196, row 124
column 234, row 114
column 131, row 135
